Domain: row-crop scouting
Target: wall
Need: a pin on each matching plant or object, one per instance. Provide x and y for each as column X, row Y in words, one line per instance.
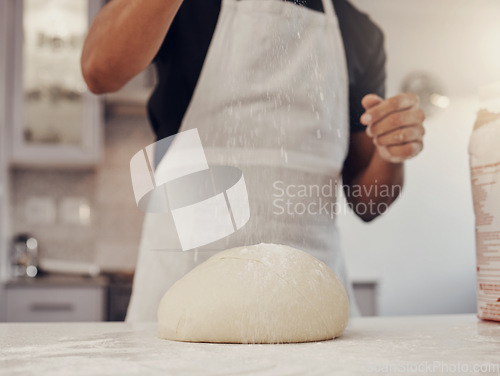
column 111, row 238
column 422, row 251
column 456, row 40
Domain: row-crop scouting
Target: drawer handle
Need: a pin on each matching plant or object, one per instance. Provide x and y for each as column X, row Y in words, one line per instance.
column 51, row 307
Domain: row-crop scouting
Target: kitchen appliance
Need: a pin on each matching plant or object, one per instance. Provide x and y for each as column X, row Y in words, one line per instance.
column 24, row 256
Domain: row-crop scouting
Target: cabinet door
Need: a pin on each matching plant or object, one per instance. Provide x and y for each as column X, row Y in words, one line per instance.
column 56, row 121
column 55, row 304
column 366, row 296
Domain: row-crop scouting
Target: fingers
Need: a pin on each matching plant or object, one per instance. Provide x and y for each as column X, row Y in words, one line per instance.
column 388, row 106
column 401, row 136
column 400, row 153
column 370, row 100
column 413, row 116
column 395, row 124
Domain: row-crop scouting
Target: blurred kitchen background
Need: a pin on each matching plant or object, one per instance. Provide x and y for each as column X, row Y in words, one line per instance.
column 69, row 225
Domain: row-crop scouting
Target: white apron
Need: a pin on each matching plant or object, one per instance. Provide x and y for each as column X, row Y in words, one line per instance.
column 272, row 100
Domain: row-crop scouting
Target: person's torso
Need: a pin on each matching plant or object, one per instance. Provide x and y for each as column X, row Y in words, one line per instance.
column 272, row 101
column 183, row 52
column 279, row 115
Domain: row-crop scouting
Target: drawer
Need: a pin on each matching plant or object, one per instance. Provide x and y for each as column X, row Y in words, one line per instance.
column 55, row 304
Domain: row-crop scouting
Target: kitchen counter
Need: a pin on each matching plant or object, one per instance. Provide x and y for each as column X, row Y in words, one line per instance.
column 57, row 280
column 410, row 345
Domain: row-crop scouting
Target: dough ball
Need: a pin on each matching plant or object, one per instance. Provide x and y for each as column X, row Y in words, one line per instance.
column 264, row 293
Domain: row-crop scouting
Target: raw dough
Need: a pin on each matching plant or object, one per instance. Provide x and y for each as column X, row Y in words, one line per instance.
column 265, row 293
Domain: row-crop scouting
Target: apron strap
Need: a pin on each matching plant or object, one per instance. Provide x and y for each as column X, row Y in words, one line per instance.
column 328, row 8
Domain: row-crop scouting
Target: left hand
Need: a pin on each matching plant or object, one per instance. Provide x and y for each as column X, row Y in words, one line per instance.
column 395, row 125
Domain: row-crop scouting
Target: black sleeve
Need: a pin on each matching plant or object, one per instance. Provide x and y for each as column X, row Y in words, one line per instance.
column 371, row 79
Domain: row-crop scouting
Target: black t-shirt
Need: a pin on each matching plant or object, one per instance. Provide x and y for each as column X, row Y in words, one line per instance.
column 180, row 59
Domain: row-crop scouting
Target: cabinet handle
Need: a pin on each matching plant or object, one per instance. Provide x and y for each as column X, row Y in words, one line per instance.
column 51, row 307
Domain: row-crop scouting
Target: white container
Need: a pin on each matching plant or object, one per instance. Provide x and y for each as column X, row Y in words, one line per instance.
column 484, row 151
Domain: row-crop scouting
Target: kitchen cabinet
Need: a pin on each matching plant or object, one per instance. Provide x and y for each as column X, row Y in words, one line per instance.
column 54, row 120
column 366, row 295
column 56, row 300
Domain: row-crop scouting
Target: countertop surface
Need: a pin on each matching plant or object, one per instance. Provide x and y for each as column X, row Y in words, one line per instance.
column 58, row 281
column 453, row 345
column 55, row 280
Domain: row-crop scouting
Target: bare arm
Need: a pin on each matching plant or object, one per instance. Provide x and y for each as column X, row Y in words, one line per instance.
column 367, row 172
column 375, row 163
column 123, row 40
